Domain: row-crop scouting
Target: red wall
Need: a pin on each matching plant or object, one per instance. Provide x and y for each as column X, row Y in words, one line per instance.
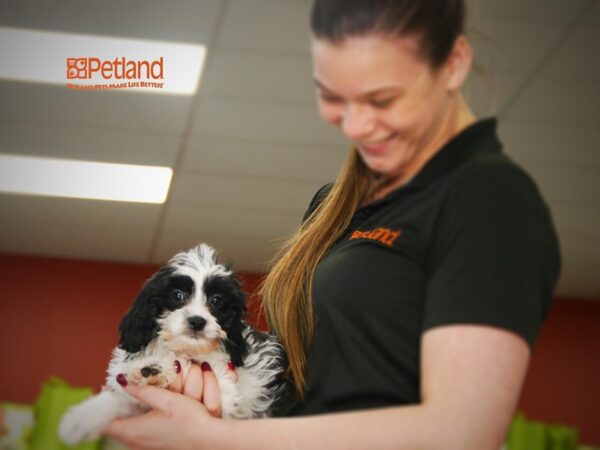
column 563, row 384
column 60, row 317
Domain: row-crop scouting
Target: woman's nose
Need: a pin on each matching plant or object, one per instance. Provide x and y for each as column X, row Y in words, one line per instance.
column 357, row 122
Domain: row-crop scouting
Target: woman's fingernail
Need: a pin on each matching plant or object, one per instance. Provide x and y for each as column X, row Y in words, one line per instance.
column 122, row 379
column 230, row 365
column 177, row 366
column 205, row 367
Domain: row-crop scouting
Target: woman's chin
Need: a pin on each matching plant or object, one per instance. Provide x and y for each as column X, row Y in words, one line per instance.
column 380, row 166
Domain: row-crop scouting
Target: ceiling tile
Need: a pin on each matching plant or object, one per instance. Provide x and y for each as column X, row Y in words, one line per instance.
column 577, row 186
column 123, row 110
column 578, row 280
column 514, row 46
column 72, row 212
column 259, row 76
column 258, row 150
column 533, row 10
column 248, row 255
column 556, row 145
column 487, row 93
column 211, row 220
column 270, row 122
column 257, row 159
column 274, row 25
column 95, row 243
column 580, row 267
column 88, row 143
column 594, row 15
column 245, row 194
column 578, row 56
column 554, row 101
column 177, row 20
column 578, row 220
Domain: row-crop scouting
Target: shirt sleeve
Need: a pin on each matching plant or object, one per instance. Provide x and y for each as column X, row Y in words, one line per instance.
column 495, row 257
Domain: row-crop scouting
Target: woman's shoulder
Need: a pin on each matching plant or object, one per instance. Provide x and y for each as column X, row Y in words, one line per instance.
column 493, row 172
column 493, row 193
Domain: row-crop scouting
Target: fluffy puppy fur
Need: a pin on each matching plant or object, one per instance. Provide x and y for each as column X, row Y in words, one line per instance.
column 191, row 310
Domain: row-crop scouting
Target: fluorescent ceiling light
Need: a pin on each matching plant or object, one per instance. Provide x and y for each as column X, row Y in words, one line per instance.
column 41, row 56
column 84, row 179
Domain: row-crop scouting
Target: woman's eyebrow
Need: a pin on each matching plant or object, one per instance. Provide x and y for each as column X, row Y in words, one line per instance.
column 387, row 89
column 321, row 85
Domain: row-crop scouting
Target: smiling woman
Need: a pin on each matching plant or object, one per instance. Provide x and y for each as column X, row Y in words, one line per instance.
column 396, row 109
column 411, row 296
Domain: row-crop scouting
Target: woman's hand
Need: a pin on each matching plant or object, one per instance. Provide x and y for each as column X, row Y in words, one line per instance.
column 181, row 417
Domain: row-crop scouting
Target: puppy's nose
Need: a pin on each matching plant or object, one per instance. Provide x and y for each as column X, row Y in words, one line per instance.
column 197, row 323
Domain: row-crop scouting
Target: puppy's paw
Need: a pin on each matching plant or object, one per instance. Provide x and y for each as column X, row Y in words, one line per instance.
column 156, row 373
column 82, row 423
column 153, row 375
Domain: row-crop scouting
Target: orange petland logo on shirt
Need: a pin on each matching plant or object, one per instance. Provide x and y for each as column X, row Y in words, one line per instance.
column 383, row 235
column 118, row 73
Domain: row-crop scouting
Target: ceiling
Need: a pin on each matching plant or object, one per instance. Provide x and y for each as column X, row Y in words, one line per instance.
column 249, row 150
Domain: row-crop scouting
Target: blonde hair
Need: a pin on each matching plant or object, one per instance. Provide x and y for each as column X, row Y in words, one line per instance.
column 287, row 289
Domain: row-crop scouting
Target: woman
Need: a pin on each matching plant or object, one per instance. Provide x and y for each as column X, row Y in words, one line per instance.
column 431, row 260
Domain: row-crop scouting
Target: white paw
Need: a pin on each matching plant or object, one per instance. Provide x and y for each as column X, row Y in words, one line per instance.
column 82, row 423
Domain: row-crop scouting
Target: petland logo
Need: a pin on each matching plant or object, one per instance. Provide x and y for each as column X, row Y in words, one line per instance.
column 119, row 73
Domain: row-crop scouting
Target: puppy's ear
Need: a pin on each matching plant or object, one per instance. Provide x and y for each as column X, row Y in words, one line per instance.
column 236, row 346
column 139, row 326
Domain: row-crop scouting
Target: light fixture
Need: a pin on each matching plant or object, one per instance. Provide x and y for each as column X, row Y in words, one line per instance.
column 84, row 179
column 42, row 56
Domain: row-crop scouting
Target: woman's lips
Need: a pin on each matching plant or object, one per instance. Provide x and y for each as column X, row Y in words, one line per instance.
column 379, row 147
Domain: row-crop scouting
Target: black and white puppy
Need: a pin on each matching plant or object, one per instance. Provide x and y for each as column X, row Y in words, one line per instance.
column 191, row 310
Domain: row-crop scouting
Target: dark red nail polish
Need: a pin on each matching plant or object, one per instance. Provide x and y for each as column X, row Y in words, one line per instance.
column 177, row 366
column 230, row 365
column 205, row 367
column 122, row 379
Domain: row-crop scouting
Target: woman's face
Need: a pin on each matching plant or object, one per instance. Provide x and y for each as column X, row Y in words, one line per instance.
column 384, row 97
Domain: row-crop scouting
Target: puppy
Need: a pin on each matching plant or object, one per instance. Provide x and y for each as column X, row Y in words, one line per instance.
column 191, row 310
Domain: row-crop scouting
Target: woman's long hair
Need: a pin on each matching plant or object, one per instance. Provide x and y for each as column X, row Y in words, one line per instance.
column 287, row 302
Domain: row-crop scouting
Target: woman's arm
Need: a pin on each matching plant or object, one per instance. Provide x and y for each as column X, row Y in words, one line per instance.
column 471, row 380
column 472, row 377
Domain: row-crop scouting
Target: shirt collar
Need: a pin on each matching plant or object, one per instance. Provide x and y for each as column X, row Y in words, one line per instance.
column 477, row 138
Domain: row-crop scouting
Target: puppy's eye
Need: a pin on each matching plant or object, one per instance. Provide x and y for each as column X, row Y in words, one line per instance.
column 216, row 300
column 178, row 295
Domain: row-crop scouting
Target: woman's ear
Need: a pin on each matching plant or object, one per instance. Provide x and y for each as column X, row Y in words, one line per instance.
column 458, row 64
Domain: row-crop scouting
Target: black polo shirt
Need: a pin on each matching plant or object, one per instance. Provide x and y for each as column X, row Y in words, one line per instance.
column 468, row 241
